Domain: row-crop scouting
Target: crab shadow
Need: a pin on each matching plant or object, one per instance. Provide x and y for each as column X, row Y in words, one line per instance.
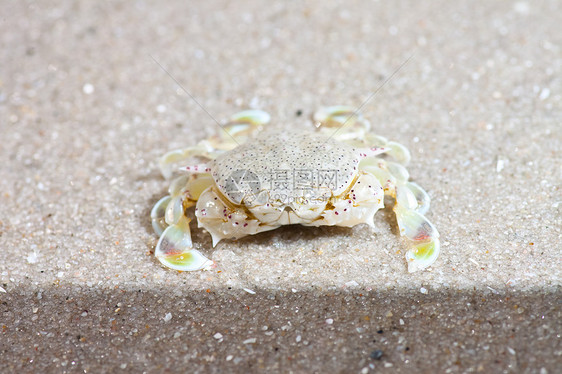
column 292, row 234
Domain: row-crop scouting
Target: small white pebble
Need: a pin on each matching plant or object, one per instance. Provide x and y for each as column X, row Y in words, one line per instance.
column 329, row 321
column 32, row 258
column 423, row 290
column 522, row 7
column 492, row 289
column 545, row 93
column 365, row 370
column 88, row 89
column 251, row 292
column 352, row 284
column 500, row 165
column 254, row 103
column 401, row 321
column 177, row 334
column 511, row 350
column 298, row 338
column 388, row 365
column 167, row 317
column 249, row 341
column 217, row 336
column 123, row 366
column 229, row 357
column 161, row 108
column 2, row 290
column 293, row 290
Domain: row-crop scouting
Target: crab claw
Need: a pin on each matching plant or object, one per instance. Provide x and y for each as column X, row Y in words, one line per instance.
column 422, row 235
column 174, row 249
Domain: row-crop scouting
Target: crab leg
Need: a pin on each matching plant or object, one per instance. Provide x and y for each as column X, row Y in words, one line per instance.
column 344, row 123
column 353, row 129
column 422, row 235
column 197, row 169
column 243, row 124
column 340, row 115
column 356, row 206
column 169, row 160
column 236, row 131
column 158, row 213
column 411, row 203
column 175, row 248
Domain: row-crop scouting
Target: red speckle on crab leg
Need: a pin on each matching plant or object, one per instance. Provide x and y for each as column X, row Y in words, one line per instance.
column 197, row 169
column 372, row 152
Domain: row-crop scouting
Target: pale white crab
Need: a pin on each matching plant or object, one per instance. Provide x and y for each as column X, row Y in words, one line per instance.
column 257, row 181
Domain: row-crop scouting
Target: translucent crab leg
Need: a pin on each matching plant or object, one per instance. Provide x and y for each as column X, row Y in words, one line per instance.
column 344, row 122
column 421, row 197
column 243, row 124
column 167, row 162
column 372, row 151
column 422, row 235
column 337, row 115
column 174, row 249
column 158, row 214
column 411, row 203
column 400, row 153
column 197, row 168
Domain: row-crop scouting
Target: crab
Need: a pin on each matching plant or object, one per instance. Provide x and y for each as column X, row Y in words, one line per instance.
column 254, row 181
